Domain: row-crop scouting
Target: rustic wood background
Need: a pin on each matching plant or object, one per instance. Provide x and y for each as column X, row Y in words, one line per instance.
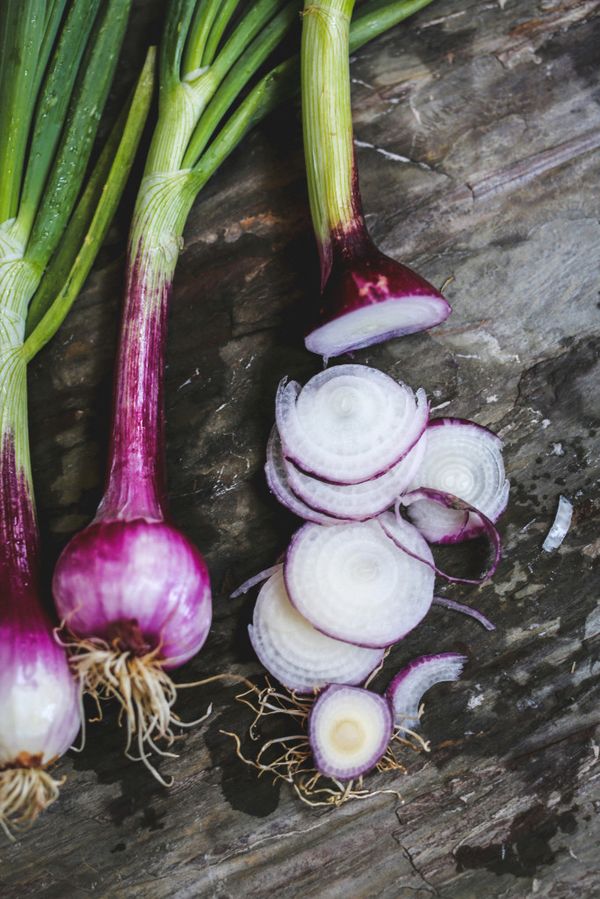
column 478, row 128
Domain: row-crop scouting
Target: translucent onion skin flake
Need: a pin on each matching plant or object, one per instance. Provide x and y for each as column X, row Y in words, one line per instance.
column 349, row 730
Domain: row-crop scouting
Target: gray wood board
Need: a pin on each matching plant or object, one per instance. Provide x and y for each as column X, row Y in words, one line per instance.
column 478, row 125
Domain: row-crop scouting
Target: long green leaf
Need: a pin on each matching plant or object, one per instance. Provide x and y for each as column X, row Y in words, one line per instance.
column 53, row 105
column 177, row 26
column 54, row 14
column 375, row 18
column 73, row 154
column 228, row 7
column 21, row 34
column 91, row 220
column 238, row 78
column 204, row 17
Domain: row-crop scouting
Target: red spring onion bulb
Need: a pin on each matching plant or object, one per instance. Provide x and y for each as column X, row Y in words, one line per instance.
column 298, row 655
column 354, row 584
column 465, row 460
column 349, row 423
column 146, row 589
column 349, row 730
column 408, row 687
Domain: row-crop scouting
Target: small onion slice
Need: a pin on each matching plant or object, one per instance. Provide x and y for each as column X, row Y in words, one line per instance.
column 357, row 502
column 276, row 475
column 299, row 656
column 463, row 459
column 392, row 523
column 560, row 526
column 407, row 689
column 349, row 423
column 464, row 610
column 349, row 730
column 353, row 583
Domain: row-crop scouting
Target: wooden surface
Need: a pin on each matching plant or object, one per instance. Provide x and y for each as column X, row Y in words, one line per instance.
column 479, row 126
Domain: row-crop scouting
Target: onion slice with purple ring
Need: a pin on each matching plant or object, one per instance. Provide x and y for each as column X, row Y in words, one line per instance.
column 408, row 687
column 277, row 480
column 469, row 611
column 350, row 423
column 393, row 525
column 357, row 502
column 298, row 655
column 349, row 730
column 353, row 583
column 463, row 459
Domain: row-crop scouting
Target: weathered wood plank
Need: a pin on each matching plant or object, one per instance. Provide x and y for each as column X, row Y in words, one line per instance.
column 479, row 127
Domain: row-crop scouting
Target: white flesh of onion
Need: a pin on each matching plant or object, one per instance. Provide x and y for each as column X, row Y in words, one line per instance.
column 357, row 501
column 299, row 656
column 349, row 731
column 278, row 484
column 353, row 583
column 560, row 527
column 409, row 686
column 349, row 423
column 466, row 460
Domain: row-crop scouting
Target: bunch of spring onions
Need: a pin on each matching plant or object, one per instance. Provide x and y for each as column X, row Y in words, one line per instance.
column 366, row 296
column 348, row 452
column 57, row 63
column 132, row 591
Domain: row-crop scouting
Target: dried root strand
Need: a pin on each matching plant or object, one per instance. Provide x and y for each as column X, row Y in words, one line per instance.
column 289, row 758
column 144, row 690
column 24, row 794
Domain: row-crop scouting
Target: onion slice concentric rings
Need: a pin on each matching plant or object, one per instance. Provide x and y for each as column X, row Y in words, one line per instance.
column 349, row 730
column 353, row 583
column 294, row 652
column 349, row 423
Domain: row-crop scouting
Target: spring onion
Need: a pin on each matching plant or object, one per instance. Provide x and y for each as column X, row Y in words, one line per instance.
column 57, row 64
column 133, row 592
column 367, row 297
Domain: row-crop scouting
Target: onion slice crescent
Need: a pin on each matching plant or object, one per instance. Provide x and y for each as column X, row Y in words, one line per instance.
column 407, row 689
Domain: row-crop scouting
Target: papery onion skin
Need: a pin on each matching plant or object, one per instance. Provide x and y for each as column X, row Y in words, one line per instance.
column 329, row 698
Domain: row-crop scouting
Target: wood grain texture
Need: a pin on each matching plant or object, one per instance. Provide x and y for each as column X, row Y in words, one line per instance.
column 478, row 125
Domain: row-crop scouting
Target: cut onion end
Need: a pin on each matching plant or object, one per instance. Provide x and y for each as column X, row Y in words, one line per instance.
column 463, row 459
column 353, row 583
column 385, row 320
column 294, row 652
column 349, row 423
column 390, row 522
column 349, row 730
column 408, row 687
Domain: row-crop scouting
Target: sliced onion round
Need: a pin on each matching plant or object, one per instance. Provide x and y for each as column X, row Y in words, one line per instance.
column 357, row 502
column 294, row 652
column 349, row 423
column 463, row 459
column 276, row 475
column 349, row 730
column 353, row 583
column 407, row 689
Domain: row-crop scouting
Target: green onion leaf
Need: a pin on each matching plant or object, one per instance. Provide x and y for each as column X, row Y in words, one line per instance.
column 88, row 226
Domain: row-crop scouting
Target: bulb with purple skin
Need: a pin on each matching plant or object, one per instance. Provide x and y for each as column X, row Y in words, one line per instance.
column 131, row 589
column 367, row 297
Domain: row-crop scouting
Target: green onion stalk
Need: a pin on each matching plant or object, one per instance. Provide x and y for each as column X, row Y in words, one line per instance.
column 132, row 589
column 367, row 297
column 57, row 62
